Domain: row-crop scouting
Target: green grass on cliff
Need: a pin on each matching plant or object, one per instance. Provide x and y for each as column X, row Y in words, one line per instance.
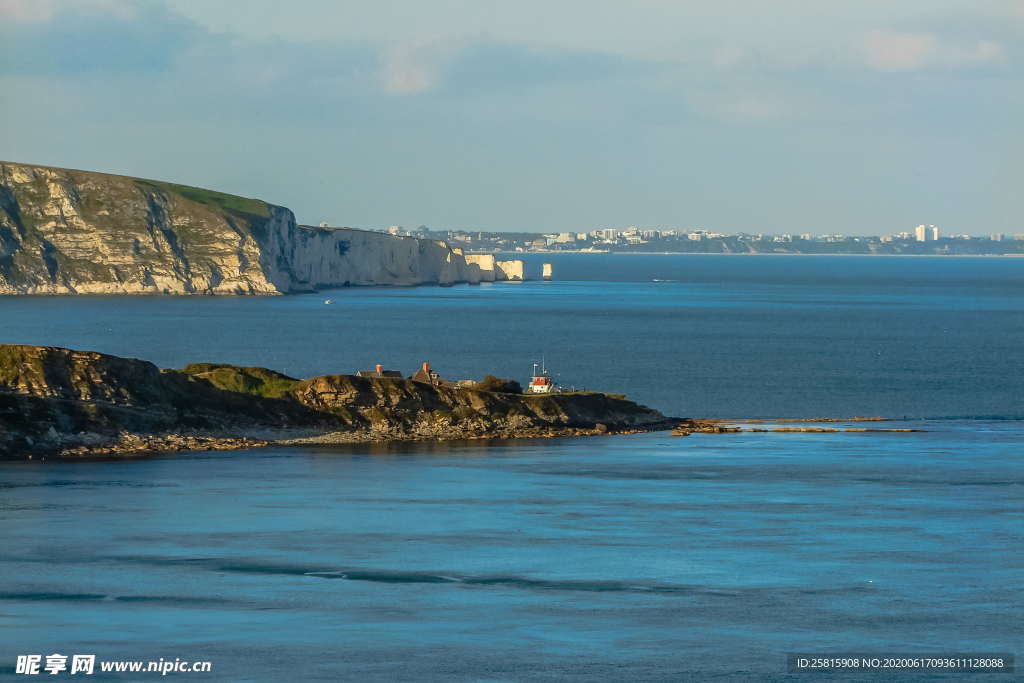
column 211, row 198
column 253, row 381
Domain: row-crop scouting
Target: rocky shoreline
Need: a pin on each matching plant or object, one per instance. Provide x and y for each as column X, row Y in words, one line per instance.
column 62, row 403
column 138, row 445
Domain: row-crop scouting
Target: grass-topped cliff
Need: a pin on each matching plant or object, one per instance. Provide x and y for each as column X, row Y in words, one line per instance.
column 56, row 401
column 65, row 231
column 68, row 231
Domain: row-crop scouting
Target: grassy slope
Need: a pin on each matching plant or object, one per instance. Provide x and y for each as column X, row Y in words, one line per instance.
column 244, row 380
column 210, row 198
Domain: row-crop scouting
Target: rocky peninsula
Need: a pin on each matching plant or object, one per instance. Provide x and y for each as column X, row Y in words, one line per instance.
column 66, row 231
column 57, row 402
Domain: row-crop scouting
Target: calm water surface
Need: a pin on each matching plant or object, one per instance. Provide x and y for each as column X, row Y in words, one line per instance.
column 628, row 558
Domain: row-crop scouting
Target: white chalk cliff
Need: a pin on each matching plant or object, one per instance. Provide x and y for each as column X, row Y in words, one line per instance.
column 76, row 232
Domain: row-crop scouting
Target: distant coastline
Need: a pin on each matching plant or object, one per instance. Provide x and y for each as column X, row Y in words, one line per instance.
column 925, row 240
column 739, row 253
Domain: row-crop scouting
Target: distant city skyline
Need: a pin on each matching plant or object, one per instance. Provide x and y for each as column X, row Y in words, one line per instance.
column 861, row 117
column 923, row 239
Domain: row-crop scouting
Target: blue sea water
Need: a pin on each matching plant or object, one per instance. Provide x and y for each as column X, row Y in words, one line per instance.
column 720, row 336
column 640, row 557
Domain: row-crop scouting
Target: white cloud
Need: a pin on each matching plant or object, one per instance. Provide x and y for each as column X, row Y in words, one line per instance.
column 40, row 11
column 899, row 51
column 26, row 10
column 982, row 52
column 896, row 51
column 744, row 104
column 414, row 68
column 728, row 56
column 755, row 108
column 122, row 9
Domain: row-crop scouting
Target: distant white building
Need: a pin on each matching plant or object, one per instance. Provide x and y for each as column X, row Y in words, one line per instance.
column 926, row 233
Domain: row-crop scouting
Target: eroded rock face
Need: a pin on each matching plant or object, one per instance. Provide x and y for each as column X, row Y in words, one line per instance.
column 53, row 399
column 403, row 407
column 51, row 372
column 61, row 401
column 76, row 232
column 513, row 270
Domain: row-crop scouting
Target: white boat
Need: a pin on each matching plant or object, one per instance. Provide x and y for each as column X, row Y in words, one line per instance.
column 328, row 301
column 540, row 381
column 546, row 271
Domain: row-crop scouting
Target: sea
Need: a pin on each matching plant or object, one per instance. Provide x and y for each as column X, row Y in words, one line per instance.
column 627, row 558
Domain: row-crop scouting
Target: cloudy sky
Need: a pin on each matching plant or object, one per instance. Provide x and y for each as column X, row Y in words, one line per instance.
column 856, row 116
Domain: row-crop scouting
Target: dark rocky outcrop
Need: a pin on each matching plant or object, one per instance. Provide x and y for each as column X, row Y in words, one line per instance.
column 56, row 401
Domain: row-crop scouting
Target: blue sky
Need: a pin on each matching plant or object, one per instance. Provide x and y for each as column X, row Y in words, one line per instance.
column 864, row 117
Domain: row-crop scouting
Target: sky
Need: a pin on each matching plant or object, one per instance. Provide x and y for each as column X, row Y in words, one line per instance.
column 859, row 117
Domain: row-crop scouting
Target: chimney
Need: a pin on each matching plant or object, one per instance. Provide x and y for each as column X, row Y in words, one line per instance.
column 426, row 367
column 379, row 368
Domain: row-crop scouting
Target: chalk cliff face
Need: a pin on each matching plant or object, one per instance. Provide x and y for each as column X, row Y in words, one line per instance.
column 76, row 232
column 492, row 270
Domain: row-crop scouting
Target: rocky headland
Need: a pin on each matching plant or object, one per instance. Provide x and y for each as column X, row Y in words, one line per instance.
column 57, row 402
column 66, row 231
